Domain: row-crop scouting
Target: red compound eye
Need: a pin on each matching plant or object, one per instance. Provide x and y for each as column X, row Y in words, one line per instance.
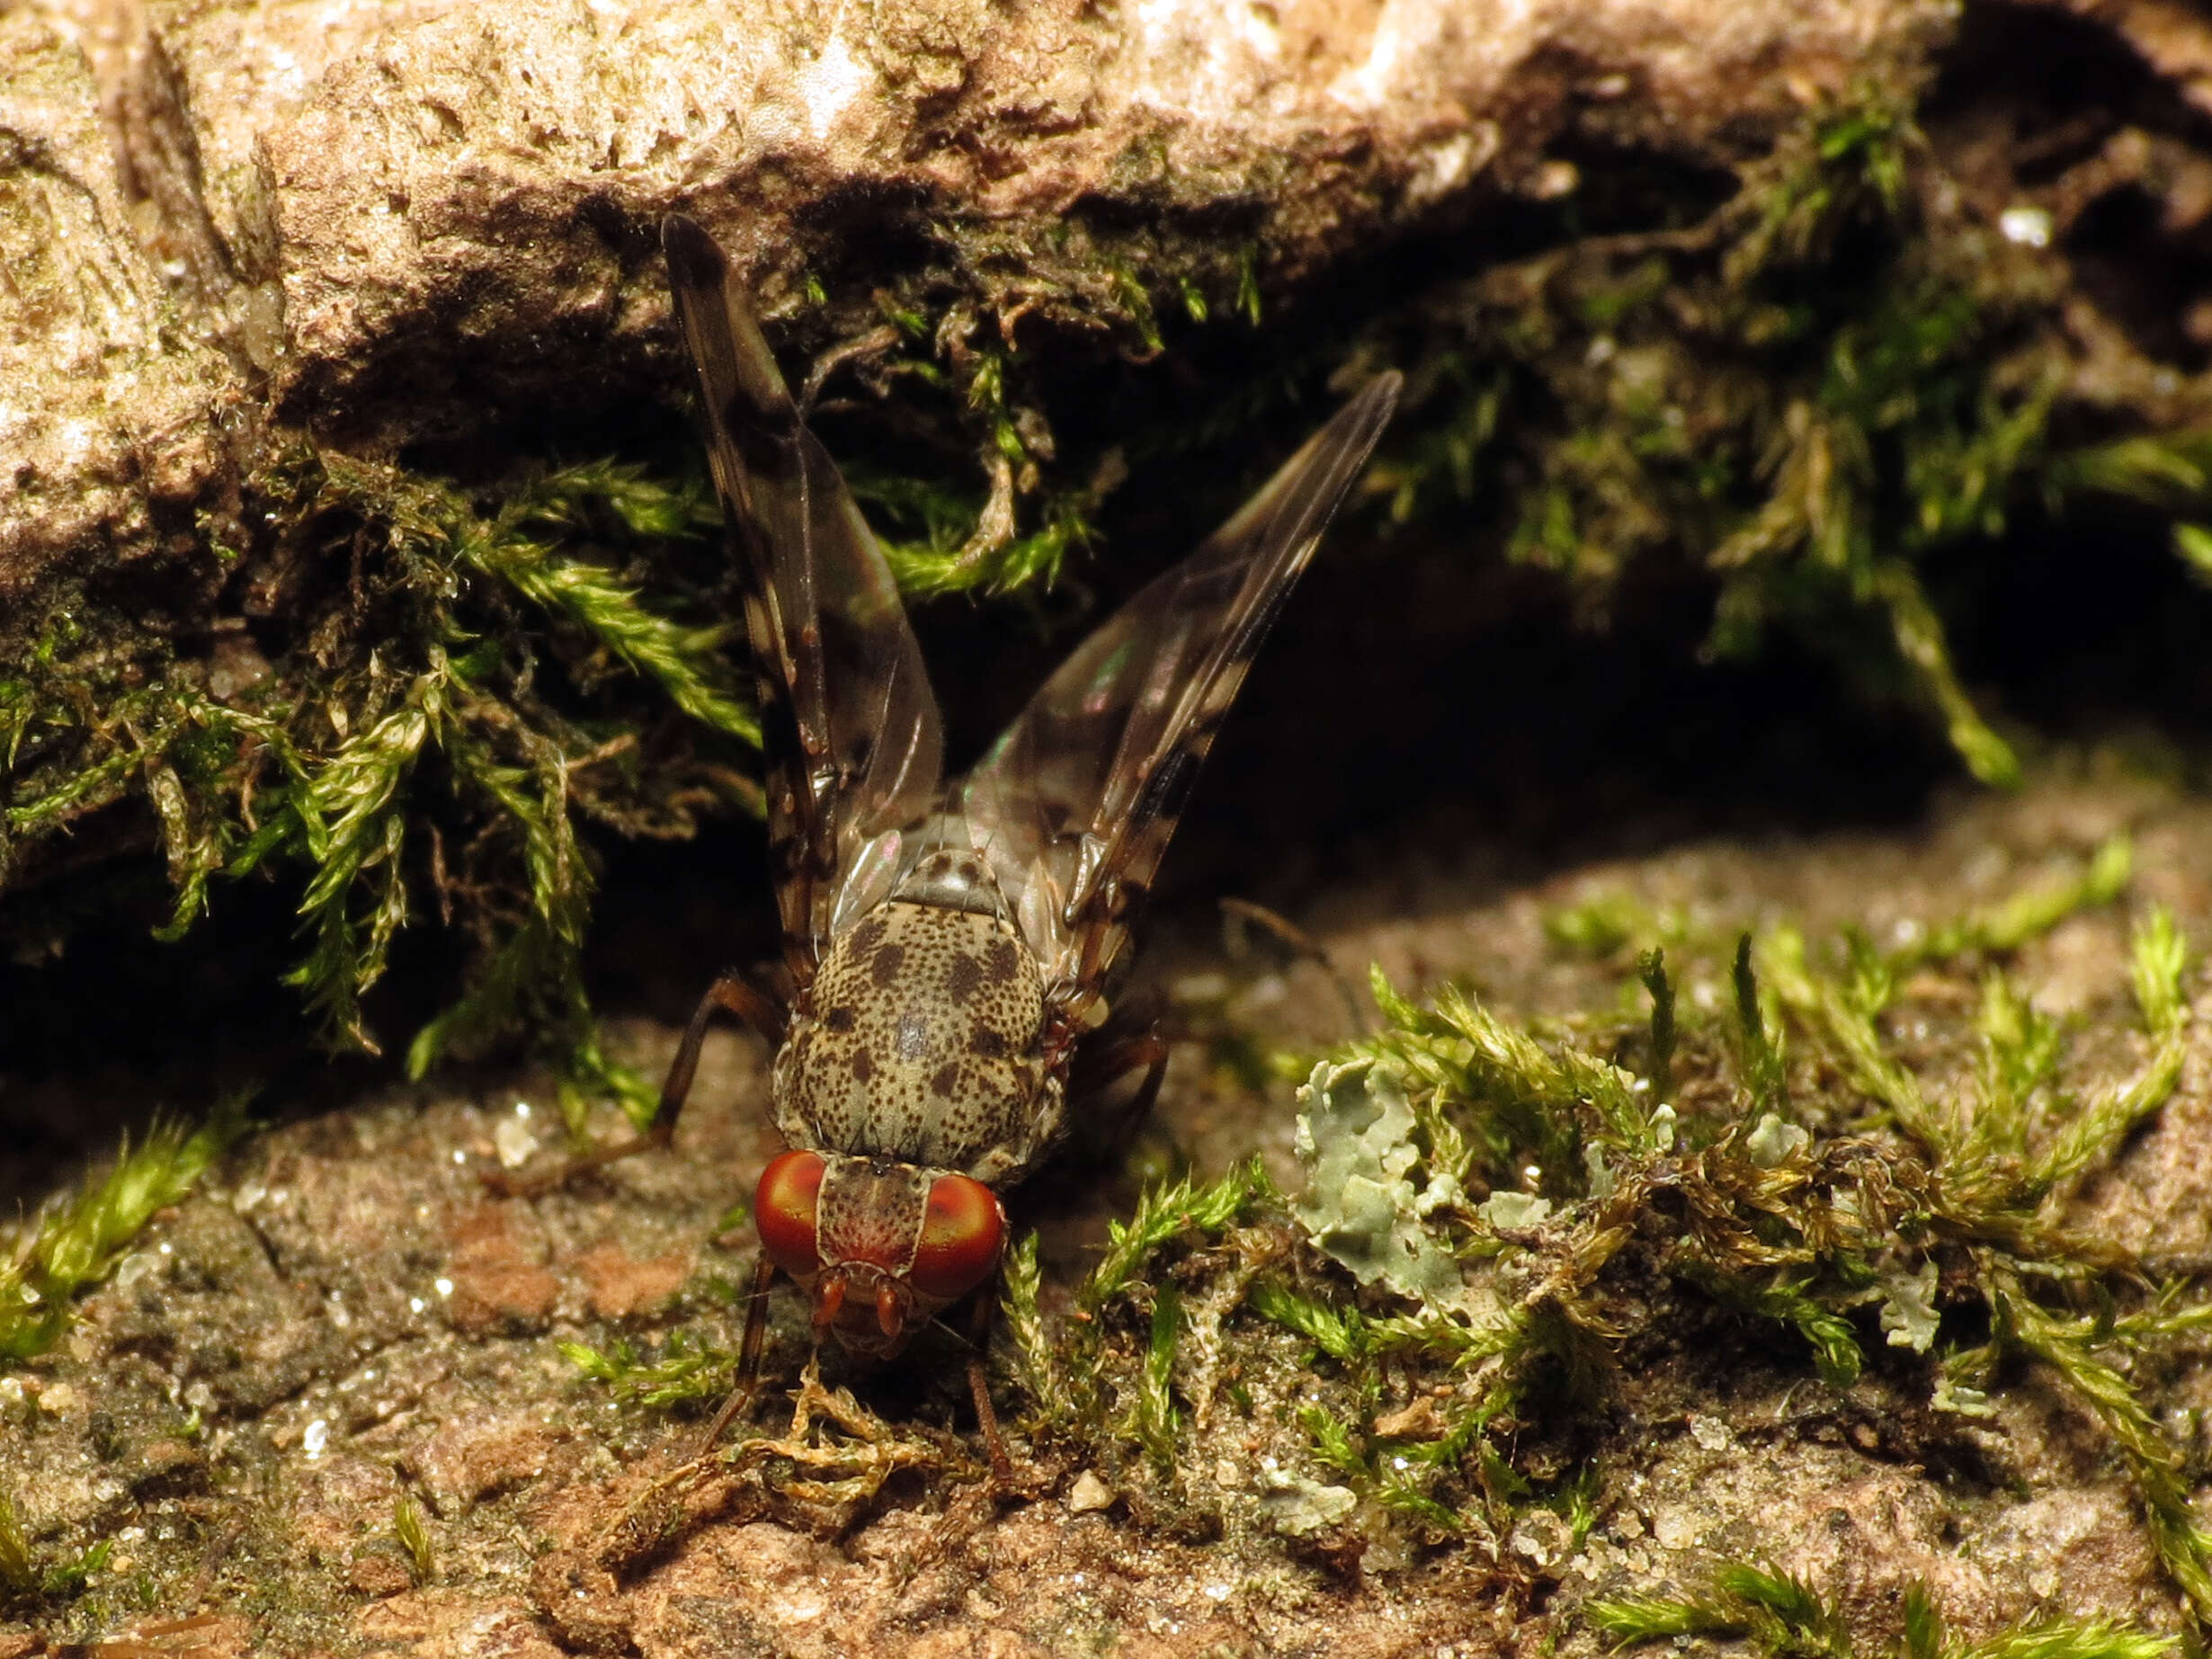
column 961, row 1234
column 783, row 1209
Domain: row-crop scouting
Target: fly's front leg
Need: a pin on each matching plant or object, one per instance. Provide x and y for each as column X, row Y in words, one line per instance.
column 979, row 1384
column 730, row 992
column 748, row 1382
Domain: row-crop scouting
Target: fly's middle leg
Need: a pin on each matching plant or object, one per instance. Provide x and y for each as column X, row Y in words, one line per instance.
column 1097, row 1093
column 732, row 994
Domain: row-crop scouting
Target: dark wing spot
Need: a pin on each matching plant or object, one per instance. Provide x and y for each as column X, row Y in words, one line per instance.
column 1167, row 790
column 883, row 967
column 863, row 1067
column 840, row 1019
column 964, row 978
column 989, row 1043
column 944, row 1080
column 1004, row 960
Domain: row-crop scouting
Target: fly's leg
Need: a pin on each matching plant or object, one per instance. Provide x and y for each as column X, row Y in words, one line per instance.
column 730, row 992
column 979, row 1384
column 1104, row 1062
column 748, row 1382
column 1241, row 914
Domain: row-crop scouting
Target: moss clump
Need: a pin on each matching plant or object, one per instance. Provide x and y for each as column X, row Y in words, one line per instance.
column 25, row 1579
column 440, row 721
column 1814, row 393
column 1798, row 1173
column 687, row 1368
column 413, row 1534
column 77, row 1240
column 1780, row 1615
column 1509, row 1222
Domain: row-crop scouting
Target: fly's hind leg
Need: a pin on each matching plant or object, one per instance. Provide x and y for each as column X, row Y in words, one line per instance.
column 731, row 994
column 1240, row 917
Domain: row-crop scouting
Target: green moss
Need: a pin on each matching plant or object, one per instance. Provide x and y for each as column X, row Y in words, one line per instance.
column 1836, row 377
column 77, row 1241
column 1853, row 1204
column 16, row 1568
column 432, row 739
column 1780, row 1614
column 25, row 1578
column 1034, row 1366
column 1077, row 1392
column 413, row 1534
column 687, row 1368
column 1810, row 392
column 1152, row 1420
column 1165, row 1213
column 1826, row 1198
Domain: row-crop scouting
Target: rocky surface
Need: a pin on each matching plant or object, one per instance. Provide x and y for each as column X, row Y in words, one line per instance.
column 383, row 223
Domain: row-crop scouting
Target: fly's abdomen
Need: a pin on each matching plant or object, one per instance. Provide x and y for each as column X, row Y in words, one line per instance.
column 924, row 1045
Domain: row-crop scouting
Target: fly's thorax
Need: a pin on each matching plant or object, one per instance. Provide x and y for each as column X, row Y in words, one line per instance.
column 921, row 1039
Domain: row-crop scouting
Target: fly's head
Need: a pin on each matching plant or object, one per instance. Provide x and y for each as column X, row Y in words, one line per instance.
column 879, row 1246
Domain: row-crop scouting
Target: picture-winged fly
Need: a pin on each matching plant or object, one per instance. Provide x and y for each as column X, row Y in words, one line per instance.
column 947, row 943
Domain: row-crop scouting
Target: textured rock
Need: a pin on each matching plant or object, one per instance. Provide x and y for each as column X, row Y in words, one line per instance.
column 384, row 222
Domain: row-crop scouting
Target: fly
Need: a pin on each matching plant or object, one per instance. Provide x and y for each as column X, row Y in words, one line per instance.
column 947, row 944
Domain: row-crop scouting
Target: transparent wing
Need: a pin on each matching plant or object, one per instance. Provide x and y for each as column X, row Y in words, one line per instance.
column 1076, row 803
column 852, row 740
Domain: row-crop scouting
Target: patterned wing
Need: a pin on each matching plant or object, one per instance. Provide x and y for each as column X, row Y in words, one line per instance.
column 1076, row 803
column 854, row 745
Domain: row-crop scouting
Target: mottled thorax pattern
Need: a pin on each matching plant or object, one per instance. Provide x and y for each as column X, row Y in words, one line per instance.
column 924, row 1044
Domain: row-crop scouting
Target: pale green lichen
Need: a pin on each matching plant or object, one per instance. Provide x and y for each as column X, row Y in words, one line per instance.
column 1908, row 1311
column 1355, row 1137
column 1298, row 1506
